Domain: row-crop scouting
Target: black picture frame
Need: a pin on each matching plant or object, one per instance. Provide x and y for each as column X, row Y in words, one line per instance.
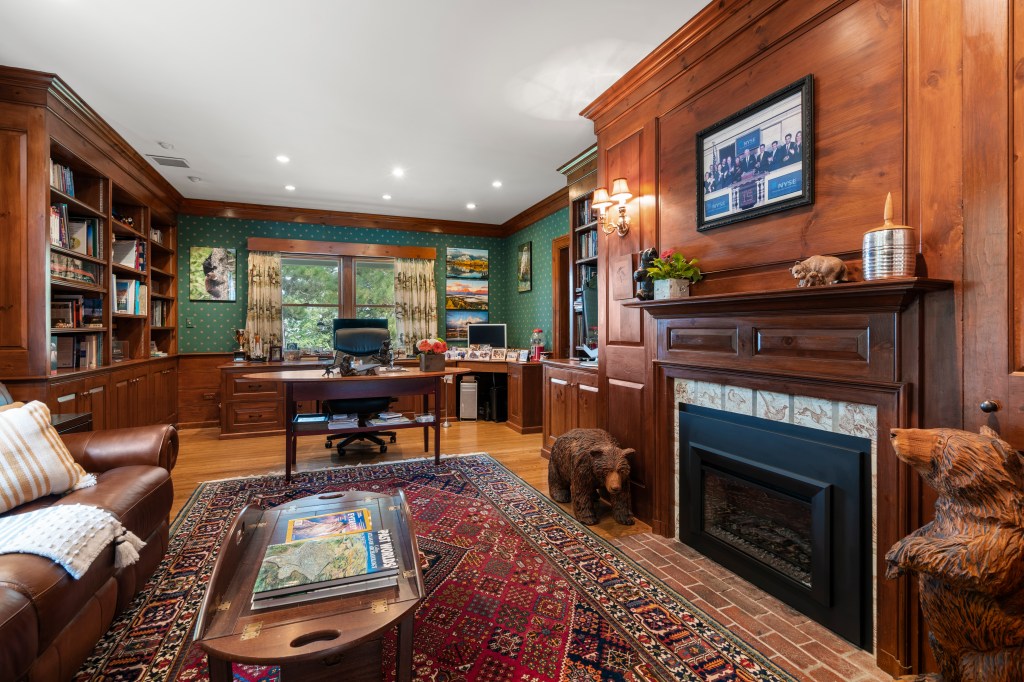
column 759, row 183
column 276, row 354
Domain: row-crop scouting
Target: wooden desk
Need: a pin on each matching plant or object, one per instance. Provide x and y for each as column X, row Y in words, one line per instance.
column 311, row 384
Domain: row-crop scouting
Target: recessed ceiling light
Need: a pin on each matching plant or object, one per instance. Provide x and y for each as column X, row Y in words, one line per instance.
column 398, row 172
column 386, row 197
column 195, row 178
column 282, row 158
column 290, row 188
column 470, row 206
column 166, row 145
column 496, row 184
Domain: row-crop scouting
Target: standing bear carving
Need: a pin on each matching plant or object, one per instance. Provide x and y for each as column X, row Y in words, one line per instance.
column 584, row 464
column 970, row 559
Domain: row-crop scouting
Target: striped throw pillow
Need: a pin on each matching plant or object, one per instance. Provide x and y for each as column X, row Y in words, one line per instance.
column 33, row 460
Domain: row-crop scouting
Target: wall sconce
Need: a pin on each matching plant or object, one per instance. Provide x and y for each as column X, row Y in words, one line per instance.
column 601, row 201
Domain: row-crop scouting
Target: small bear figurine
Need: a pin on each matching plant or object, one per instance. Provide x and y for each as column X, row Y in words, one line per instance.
column 645, row 285
column 818, row 270
column 584, row 463
column 970, row 559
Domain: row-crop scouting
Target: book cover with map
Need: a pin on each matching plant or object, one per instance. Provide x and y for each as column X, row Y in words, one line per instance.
column 316, row 564
column 330, row 525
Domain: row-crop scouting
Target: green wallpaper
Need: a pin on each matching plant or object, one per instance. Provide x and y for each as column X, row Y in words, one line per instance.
column 213, row 322
column 528, row 310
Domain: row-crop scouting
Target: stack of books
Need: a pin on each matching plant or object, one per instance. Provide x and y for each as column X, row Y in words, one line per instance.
column 327, row 555
column 343, row 421
column 385, row 418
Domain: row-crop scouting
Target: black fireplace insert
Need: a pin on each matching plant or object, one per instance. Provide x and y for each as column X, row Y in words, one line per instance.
column 786, row 507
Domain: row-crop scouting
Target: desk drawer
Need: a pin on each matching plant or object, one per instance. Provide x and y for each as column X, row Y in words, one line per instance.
column 255, row 416
column 253, row 388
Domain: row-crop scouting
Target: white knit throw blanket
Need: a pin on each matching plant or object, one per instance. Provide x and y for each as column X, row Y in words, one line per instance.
column 73, row 535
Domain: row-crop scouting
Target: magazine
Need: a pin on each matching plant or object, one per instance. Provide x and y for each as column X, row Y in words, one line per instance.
column 309, row 565
column 329, row 525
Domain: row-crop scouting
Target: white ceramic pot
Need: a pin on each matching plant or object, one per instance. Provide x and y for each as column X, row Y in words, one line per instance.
column 671, row 288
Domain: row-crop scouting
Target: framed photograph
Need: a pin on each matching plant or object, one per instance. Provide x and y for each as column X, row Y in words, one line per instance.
column 524, row 271
column 524, row 355
column 484, row 354
column 759, row 160
column 211, row 274
column 275, row 354
column 498, row 354
column 467, row 263
column 465, row 294
column 456, row 322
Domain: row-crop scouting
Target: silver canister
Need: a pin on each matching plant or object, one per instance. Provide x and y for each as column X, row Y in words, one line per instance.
column 889, row 250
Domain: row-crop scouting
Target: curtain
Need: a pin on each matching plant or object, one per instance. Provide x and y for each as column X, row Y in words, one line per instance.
column 263, row 315
column 415, row 301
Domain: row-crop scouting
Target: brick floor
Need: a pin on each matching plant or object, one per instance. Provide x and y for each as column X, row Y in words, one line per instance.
column 792, row 641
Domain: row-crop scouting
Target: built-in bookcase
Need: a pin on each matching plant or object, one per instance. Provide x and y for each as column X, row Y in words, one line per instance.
column 112, row 284
column 585, row 241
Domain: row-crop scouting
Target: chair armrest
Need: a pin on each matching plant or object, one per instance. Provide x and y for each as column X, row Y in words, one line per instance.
column 96, row 451
column 19, row 640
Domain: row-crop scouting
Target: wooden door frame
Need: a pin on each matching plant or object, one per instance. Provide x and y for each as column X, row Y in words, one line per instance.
column 559, row 294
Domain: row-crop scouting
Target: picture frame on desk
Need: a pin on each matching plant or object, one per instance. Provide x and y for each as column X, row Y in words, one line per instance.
column 524, row 355
column 498, row 354
column 275, row 354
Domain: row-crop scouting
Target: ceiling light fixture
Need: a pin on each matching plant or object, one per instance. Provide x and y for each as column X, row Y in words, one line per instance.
column 470, row 206
column 166, row 145
column 195, row 178
column 386, row 197
column 281, row 158
column 290, row 188
column 496, row 184
column 398, row 172
column 601, row 201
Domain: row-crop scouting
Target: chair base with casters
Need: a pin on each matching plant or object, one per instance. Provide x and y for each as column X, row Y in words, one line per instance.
column 376, row 438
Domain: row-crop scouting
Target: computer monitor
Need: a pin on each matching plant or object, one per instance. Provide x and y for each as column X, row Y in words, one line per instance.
column 492, row 335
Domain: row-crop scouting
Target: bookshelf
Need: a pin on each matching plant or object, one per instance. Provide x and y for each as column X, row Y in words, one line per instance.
column 585, row 242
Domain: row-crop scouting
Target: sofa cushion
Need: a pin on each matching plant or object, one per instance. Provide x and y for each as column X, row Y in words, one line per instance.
column 33, row 460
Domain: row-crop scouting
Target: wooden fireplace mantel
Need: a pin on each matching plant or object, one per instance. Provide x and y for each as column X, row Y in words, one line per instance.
column 879, row 343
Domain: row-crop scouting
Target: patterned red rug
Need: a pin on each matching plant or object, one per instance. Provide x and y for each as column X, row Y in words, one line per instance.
column 516, row 589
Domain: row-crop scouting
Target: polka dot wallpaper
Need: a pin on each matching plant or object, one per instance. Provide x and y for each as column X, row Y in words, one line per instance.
column 212, row 322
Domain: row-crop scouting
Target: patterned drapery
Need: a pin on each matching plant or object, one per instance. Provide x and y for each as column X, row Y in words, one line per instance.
column 415, row 301
column 263, row 316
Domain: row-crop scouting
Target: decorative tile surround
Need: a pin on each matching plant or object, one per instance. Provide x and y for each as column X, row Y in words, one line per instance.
column 835, row 416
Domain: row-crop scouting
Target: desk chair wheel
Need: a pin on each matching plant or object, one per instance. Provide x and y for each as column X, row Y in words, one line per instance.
column 393, row 440
column 384, row 448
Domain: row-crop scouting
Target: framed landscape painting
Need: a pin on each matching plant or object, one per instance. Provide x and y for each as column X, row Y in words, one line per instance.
column 465, row 294
column 456, row 321
column 758, row 160
column 467, row 263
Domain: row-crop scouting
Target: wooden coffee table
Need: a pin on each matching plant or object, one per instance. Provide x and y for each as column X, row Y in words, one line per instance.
column 315, row 639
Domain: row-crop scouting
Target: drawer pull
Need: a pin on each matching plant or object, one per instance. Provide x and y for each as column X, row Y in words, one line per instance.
column 258, row 415
column 209, row 396
column 66, row 398
column 590, row 389
column 167, row 371
column 255, row 387
column 560, row 382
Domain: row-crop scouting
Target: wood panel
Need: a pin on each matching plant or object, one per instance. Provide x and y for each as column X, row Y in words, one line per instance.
column 199, row 389
column 630, row 424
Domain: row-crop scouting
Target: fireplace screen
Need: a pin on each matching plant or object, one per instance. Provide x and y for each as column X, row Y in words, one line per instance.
column 766, row 525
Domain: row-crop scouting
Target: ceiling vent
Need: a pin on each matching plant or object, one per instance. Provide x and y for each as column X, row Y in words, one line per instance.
column 171, row 161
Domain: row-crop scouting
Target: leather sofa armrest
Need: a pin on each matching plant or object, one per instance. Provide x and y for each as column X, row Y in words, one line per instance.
column 96, row 451
column 19, row 641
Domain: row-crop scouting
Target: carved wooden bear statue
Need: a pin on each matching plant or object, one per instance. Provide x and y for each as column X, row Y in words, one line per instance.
column 644, row 283
column 970, row 559
column 585, row 463
column 819, row 270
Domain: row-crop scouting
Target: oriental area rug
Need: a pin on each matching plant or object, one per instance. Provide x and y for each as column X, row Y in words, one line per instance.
column 516, row 589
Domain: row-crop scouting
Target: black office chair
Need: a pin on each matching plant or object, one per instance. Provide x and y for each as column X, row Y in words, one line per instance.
column 360, row 338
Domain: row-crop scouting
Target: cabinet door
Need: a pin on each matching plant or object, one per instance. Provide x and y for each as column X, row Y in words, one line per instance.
column 119, row 401
column 62, row 398
column 586, row 406
column 142, row 398
column 557, row 405
column 164, row 380
column 93, row 399
column 515, row 395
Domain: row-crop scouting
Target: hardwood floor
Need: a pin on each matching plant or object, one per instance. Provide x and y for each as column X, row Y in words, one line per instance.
column 204, row 457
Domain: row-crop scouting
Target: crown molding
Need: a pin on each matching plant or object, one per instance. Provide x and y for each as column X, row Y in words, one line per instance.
column 542, row 209
column 310, row 216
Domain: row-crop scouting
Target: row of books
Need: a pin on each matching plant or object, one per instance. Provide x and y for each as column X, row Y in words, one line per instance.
column 61, row 178
column 130, row 296
column 73, row 269
column 130, row 253
column 160, row 314
column 75, row 311
column 587, row 245
column 82, row 235
column 584, row 212
column 77, row 351
column 327, row 555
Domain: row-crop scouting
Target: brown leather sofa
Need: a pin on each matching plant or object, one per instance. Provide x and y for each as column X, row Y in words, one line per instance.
column 50, row 622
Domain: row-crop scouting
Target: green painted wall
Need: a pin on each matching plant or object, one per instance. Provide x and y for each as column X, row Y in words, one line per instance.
column 213, row 322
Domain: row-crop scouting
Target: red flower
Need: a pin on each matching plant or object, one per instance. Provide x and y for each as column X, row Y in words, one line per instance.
column 439, row 347
column 423, row 345
column 666, row 254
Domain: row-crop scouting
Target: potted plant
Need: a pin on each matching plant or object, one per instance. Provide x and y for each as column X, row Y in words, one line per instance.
column 672, row 275
column 431, row 352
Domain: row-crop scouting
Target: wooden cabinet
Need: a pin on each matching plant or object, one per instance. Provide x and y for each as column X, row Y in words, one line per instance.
column 570, row 401
column 250, row 407
column 163, row 380
column 131, row 399
column 585, row 238
column 524, row 391
column 84, row 394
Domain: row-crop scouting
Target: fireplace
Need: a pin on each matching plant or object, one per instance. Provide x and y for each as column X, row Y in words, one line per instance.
column 784, row 506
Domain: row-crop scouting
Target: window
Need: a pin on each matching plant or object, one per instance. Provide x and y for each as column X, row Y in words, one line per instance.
column 317, row 289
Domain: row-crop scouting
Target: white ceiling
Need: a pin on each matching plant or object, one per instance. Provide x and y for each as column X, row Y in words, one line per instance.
column 459, row 93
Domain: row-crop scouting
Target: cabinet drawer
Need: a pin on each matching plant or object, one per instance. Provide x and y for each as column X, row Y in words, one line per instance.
column 253, row 388
column 255, row 416
column 585, row 379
